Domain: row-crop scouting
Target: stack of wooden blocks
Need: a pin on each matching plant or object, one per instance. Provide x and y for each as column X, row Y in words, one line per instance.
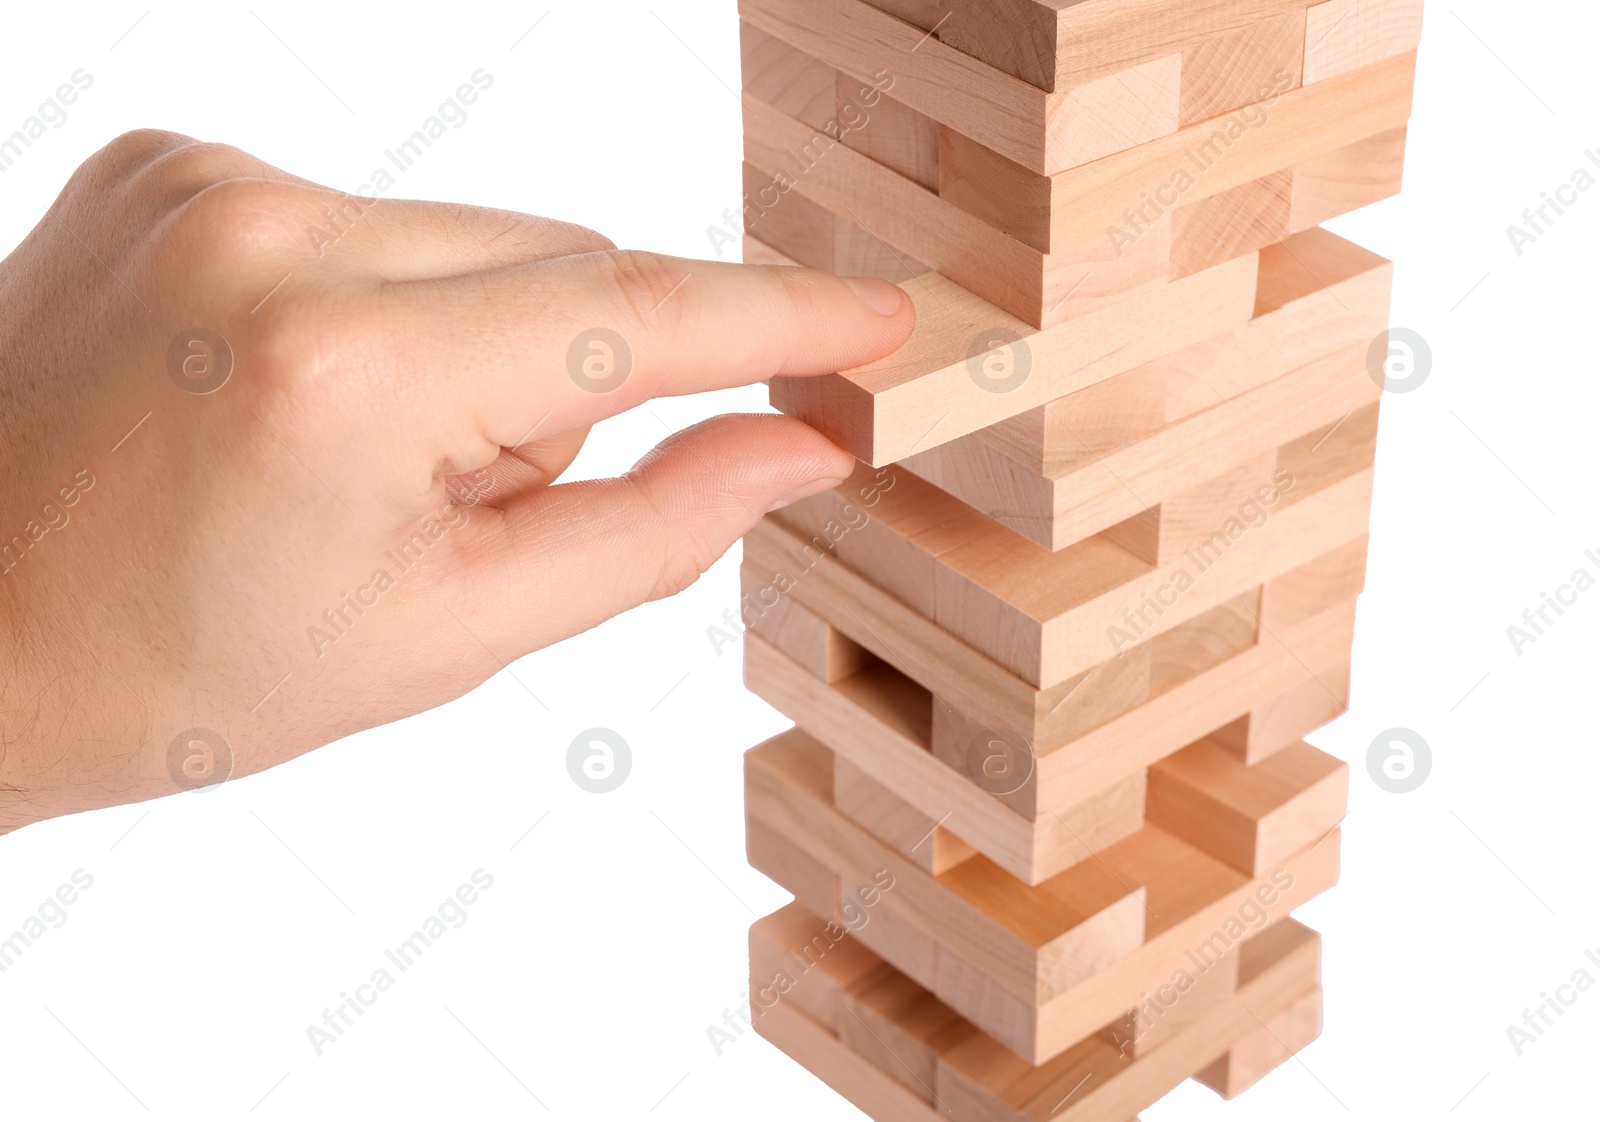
column 1053, row 651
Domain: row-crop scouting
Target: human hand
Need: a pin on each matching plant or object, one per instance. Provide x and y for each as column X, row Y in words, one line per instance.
column 279, row 460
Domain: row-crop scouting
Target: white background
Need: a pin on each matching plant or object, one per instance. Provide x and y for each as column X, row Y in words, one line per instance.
column 220, row 925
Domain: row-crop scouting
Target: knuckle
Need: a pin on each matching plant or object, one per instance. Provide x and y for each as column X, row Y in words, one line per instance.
column 184, row 170
column 650, row 288
column 232, row 222
column 126, row 154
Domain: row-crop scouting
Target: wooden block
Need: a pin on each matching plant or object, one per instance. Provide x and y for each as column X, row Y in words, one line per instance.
column 1182, row 521
column 814, row 887
column 941, row 663
column 986, row 185
column 1349, row 445
column 1056, row 45
column 926, row 394
column 1163, row 1013
column 924, row 13
column 1224, row 74
column 1348, row 179
column 1345, row 35
column 804, row 233
column 1101, row 495
column 865, row 724
column 979, row 919
column 1209, row 640
column 901, row 1028
column 919, row 837
column 1253, row 818
column 1038, row 1036
column 1219, row 228
column 1050, row 616
column 788, row 79
column 1097, row 696
column 886, row 933
column 1262, row 1052
column 802, row 636
column 975, row 1079
column 856, row 1078
column 1128, row 108
column 1095, row 450
column 895, row 136
column 1030, row 942
column 799, row 957
column 1287, row 719
column 1337, row 577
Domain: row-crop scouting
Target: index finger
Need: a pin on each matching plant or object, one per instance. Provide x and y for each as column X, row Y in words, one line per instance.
column 567, row 342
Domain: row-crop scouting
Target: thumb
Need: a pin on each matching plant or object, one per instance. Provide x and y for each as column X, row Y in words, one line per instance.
column 574, row 555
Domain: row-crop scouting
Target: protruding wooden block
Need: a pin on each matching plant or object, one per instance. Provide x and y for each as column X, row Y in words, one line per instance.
column 1253, row 818
column 1348, row 179
column 1165, row 1010
column 1345, row 35
column 1278, row 1039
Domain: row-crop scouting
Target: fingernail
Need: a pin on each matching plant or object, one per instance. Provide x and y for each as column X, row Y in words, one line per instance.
column 882, row 297
column 815, row 487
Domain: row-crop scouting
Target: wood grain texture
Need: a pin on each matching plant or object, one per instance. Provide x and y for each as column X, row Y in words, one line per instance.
column 803, row 637
column 864, row 723
column 1249, row 217
column 799, row 956
column 894, row 135
column 1274, row 1043
column 1032, row 942
column 1347, row 179
column 940, row 663
column 1100, row 494
column 788, row 79
column 1225, row 73
column 1316, row 294
column 1345, row 35
column 884, row 814
column 1251, row 817
column 1199, row 910
column 942, row 384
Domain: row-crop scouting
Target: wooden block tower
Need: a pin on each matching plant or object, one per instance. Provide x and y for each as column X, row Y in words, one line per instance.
column 1053, row 650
